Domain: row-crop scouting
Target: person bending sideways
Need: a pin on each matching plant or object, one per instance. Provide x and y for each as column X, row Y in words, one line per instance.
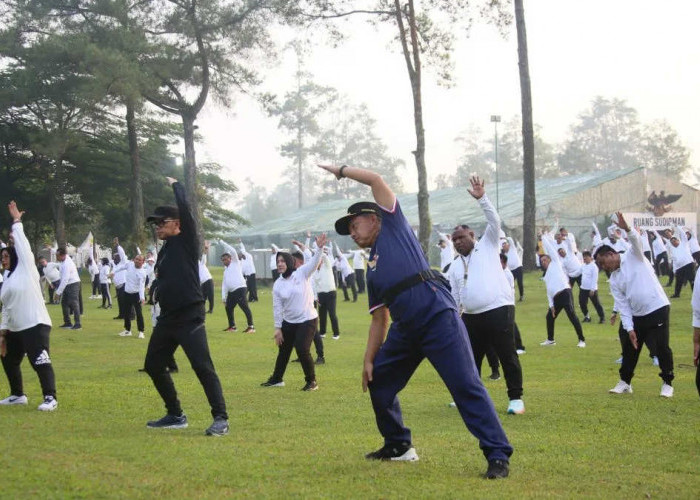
column 25, row 324
column 559, row 293
column 643, row 307
column 424, row 324
column 294, row 316
column 181, row 319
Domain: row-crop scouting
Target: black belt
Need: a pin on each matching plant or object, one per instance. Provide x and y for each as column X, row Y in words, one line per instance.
column 427, row 275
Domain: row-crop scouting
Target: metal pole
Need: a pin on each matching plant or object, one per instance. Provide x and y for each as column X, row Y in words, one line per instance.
column 495, row 119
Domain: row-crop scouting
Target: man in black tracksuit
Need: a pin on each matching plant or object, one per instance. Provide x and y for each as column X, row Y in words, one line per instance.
column 181, row 320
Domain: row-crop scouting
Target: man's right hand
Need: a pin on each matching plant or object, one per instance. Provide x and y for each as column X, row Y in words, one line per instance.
column 367, row 374
column 171, row 181
column 633, row 339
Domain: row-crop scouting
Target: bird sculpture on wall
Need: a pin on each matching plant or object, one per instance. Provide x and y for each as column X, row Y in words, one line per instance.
column 660, row 203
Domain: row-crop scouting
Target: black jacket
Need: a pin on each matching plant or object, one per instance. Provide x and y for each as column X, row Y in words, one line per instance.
column 179, row 293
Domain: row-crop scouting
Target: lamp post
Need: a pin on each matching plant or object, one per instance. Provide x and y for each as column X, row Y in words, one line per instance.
column 496, row 119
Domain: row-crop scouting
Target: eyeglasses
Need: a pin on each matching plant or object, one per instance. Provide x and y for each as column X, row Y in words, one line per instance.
column 162, row 222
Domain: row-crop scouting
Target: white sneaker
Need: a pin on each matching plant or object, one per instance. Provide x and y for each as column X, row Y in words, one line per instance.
column 520, row 352
column 125, row 333
column 622, row 387
column 619, row 360
column 548, row 342
column 655, row 361
column 666, row 391
column 516, row 407
column 581, row 343
column 49, row 404
column 141, row 335
column 452, row 405
column 14, row 400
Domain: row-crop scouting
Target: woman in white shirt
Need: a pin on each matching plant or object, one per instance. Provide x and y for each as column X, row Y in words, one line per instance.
column 294, row 316
column 25, row 325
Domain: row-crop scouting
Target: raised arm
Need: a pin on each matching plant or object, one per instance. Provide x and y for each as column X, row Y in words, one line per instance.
column 382, row 193
column 230, row 250
column 187, row 224
column 493, row 221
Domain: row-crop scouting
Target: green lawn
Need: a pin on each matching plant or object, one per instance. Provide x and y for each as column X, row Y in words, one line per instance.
column 575, row 440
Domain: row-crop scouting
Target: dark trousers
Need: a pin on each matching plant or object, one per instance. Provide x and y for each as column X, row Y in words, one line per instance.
column 124, row 310
column 647, row 254
column 696, row 257
column 208, row 292
column 296, row 336
column 132, row 300
column 518, row 275
column 494, row 330
column 34, row 342
column 252, row 285
column 349, row 283
column 685, row 274
column 52, row 290
column 326, row 307
column 661, row 263
column 563, row 300
column 583, row 296
column 577, row 280
column 238, row 298
column 70, row 303
column 444, row 341
column 518, row 339
column 360, row 280
column 191, row 335
column 95, row 285
column 106, row 298
column 651, row 329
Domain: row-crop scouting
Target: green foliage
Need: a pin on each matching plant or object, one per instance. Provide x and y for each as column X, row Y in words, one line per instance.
column 574, row 441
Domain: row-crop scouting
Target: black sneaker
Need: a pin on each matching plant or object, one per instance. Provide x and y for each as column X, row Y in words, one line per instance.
column 169, row 422
column 401, row 452
column 77, row 326
column 218, row 428
column 66, row 325
column 272, row 383
column 310, row 386
column 495, row 375
column 602, row 320
column 320, row 360
column 498, row 469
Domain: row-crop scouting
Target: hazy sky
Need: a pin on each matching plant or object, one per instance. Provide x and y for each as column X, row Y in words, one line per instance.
column 637, row 50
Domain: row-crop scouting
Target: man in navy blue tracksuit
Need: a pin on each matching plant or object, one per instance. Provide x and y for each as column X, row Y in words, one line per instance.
column 425, row 324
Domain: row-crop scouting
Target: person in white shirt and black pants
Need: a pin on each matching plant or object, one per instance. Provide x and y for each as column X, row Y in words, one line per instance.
column 134, row 292
column 643, row 306
column 484, row 294
column 559, row 295
column 234, row 290
column 589, row 288
column 25, row 324
column 294, row 316
column 69, row 290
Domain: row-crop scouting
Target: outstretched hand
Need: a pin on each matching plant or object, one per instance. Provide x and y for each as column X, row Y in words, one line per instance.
column 477, row 190
column 621, row 222
column 321, row 240
column 15, row 213
column 332, row 169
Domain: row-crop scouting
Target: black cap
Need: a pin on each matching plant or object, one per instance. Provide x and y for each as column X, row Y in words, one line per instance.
column 342, row 225
column 164, row 212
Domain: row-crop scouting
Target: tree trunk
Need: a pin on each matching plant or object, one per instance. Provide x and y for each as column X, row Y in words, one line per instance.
column 529, row 199
column 137, row 213
column 190, row 168
column 413, row 64
column 59, row 205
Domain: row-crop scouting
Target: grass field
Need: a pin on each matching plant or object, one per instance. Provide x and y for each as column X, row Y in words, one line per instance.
column 574, row 441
